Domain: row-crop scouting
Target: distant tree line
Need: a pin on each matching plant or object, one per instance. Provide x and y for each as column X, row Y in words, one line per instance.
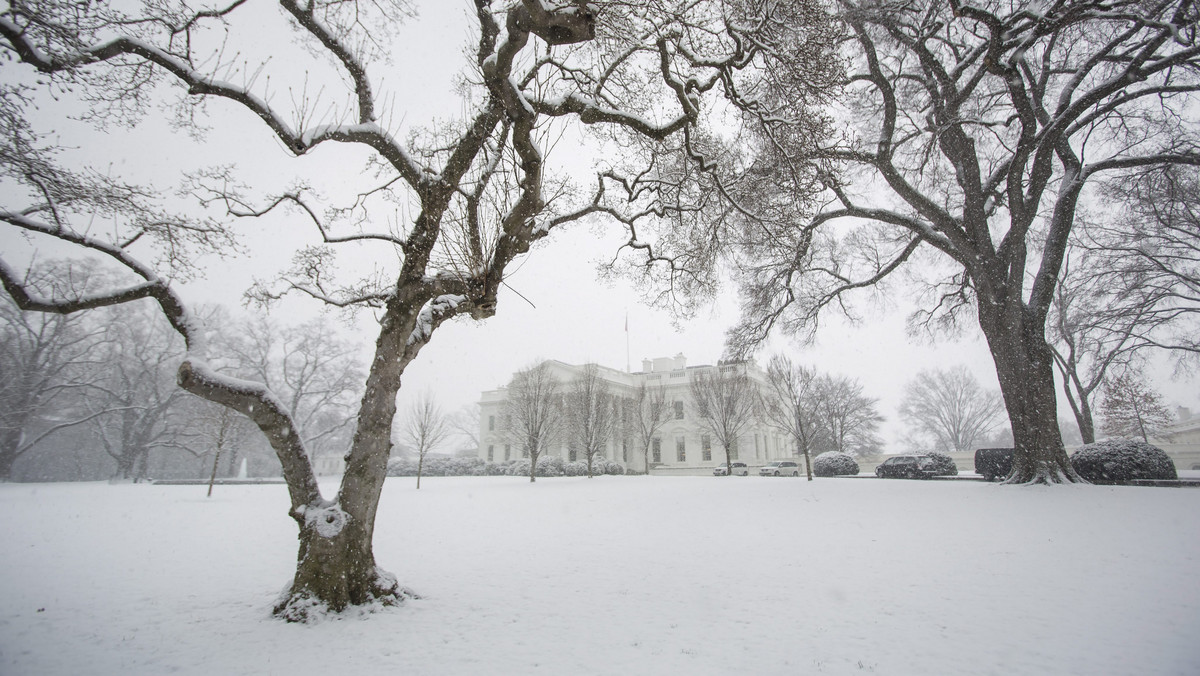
column 93, row 396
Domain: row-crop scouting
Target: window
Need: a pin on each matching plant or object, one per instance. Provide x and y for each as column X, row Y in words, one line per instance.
column 524, row 452
column 679, row 410
column 572, row 455
column 733, row 454
column 706, row 447
column 491, row 452
column 491, row 423
column 624, row 451
column 507, row 450
column 656, row 450
column 680, row 449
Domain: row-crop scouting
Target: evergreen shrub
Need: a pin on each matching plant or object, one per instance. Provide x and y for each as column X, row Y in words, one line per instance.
column 833, row 463
column 1116, row 461
column 943, row 464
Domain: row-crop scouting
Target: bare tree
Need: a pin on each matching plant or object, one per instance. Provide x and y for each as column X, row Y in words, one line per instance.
column 315, row 371
column 1132, row 409
column 977, row 127
column 465, row 422
column 138, row 359
column 850, row 419
column 224, row 429
column 1148, row 260
column 475, row 190
column 535, row 412
column 951, row 407
column 44, row 361
column 590, row 414
column 649, row 412
column 793, row 404
column 726, row 402
column 1092, row 330
column 425, row 428
column 1131, row 287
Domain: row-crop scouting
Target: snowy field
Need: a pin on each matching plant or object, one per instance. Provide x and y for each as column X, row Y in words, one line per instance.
column 617, row 575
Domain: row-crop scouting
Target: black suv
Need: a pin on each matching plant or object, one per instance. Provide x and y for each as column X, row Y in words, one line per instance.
column 907, row 467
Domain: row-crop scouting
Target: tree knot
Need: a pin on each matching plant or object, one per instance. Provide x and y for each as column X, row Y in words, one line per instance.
column 326, row 521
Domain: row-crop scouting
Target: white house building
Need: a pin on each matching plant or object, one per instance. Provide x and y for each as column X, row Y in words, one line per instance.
column 1181, row 440
column 681, row 446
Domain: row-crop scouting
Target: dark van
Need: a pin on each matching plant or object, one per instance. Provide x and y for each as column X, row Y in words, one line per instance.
column 993, row 463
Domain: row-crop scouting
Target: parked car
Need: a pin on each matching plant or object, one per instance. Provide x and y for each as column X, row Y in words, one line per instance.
column 780, row 468
column 907, row 467
column 739, row 469
column 993, row 463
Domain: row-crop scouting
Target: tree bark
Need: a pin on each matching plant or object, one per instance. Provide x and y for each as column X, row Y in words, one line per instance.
column 1025, row 369
column 1083, row 419
column 10, row 447
column 213, row 477
column 335, row 567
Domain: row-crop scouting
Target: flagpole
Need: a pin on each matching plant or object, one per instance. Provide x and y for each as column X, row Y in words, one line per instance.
column 627, row 366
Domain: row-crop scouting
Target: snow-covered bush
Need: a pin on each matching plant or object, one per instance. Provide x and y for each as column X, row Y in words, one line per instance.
column 495, row 469
column 943, row 464
column 550, row 465
column 832, row 463
column 441, row 466
column 466, row 467
column 577, row 468
column 437, row 467
column 613, row 468
column 519, row 467
column 1120, row 460
column 401, row 467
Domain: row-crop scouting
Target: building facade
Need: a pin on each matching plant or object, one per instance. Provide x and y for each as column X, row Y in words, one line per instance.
column 682, row 444
column 1181, row 440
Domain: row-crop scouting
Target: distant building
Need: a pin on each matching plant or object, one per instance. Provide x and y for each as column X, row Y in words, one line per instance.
column 329, row 464
column 1181, row 440
column 681, row 446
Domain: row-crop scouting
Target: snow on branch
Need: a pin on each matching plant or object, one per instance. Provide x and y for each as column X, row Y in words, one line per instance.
column 366, row 131
column 247, row 397
column 432, row 314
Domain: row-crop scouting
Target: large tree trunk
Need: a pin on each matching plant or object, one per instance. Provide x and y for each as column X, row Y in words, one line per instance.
column 1086, row 423
column 1079, row 399
column 125, row 466
column 336, row 568
column 1025, row 368
column 10, row 445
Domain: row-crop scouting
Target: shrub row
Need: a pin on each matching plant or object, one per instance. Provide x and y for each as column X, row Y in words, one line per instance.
column 1111, row 461
column 547, row 467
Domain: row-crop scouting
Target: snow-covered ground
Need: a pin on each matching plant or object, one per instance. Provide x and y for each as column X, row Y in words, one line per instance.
column 617, row 575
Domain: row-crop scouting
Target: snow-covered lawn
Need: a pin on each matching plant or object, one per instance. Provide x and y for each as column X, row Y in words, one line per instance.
column 617, row 575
